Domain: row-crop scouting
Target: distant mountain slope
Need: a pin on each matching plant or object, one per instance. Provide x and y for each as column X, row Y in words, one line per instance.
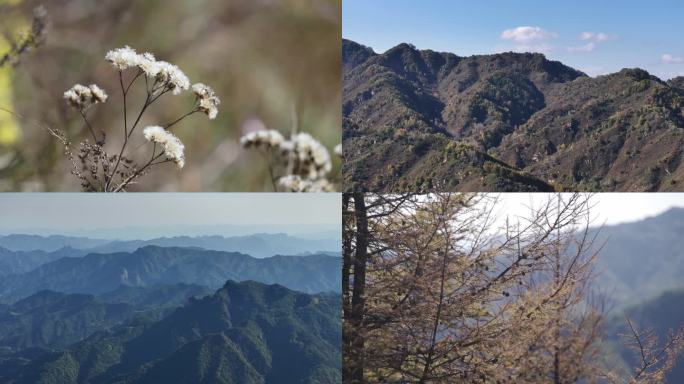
column 418, row 119
column 663, row 313
column 14, row 262
column 20, row 242
column 151, row 265
column 245, row 333
column 640, row 260
column 256, row 245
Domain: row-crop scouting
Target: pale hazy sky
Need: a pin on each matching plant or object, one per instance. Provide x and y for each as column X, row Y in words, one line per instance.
column 70, row 212
column 610, row 208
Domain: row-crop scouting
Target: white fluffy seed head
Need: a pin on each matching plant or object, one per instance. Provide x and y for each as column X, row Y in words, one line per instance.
column 148, row 64
column 338, row 150
column 172, row 77
column 208, row 101
column 81, row 97
column 98, row 94
column 295, row 183
column 123, row 58
column 264, row 138
column 173, row 147
column 313, row 157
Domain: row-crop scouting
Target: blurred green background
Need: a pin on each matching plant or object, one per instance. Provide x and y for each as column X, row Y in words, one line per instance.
column 270, row 62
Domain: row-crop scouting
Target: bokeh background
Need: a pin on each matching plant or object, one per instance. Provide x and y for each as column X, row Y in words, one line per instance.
column 272, row 63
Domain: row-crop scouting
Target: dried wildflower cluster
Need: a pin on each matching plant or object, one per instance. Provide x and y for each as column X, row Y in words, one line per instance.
column 305, row 160
column 81, row 97
column 100, row 171
column 167, row 75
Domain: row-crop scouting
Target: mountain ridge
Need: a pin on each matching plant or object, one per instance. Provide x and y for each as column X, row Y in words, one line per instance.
column 97, row 273
column 256, row 244
column 419, row 120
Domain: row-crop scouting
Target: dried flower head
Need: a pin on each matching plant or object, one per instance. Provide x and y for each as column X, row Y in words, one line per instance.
column 81, row 97
column 172, row 77
column 294, row 183
column 173, row 147
column 264, row 138
column 313, row 157
column 148, row 64
column 208, row 101
column 123, row 58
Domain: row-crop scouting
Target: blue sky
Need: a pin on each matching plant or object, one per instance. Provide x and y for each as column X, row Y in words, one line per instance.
column 597, row 36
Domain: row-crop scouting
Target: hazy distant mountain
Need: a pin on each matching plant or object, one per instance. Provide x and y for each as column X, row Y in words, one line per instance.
column 256, row 245
column 641, row 260
column 245, row 333
column 152, row 265
column 19, row 242
column 663, row 313
column 14, row 262
column 418, row 119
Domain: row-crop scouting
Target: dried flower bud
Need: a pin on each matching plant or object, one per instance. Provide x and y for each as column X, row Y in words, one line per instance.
column 208, row 101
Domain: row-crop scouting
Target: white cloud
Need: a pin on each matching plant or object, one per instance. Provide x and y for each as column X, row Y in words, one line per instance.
column 589, row 47
column 527, row 34
column 529, row 39
column 669, row 59
column 596, row 37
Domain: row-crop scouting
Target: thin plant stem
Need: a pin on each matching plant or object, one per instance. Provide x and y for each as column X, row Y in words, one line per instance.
column 167, row 126
column 90, row 127
column 269, row 161
column 137, row 173
column 123, row 147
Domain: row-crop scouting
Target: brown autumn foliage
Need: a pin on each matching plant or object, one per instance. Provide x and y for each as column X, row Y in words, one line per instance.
column 435, row 291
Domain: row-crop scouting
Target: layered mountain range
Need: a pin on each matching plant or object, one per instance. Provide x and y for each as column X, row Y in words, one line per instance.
column 79, row 310
column 97, row 273
column 256, row 245
column 419, row 120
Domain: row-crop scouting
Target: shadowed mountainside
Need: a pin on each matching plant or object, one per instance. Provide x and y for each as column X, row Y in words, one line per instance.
column 244, row 333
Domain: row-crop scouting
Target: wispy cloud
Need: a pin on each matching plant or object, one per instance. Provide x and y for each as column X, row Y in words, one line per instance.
column 527, row 34
column 597, row 37
column 529, row 38
column 592, row 39
column 668, row 58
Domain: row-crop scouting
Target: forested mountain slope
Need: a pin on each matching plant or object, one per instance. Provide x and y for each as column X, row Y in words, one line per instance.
column 244, row 333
